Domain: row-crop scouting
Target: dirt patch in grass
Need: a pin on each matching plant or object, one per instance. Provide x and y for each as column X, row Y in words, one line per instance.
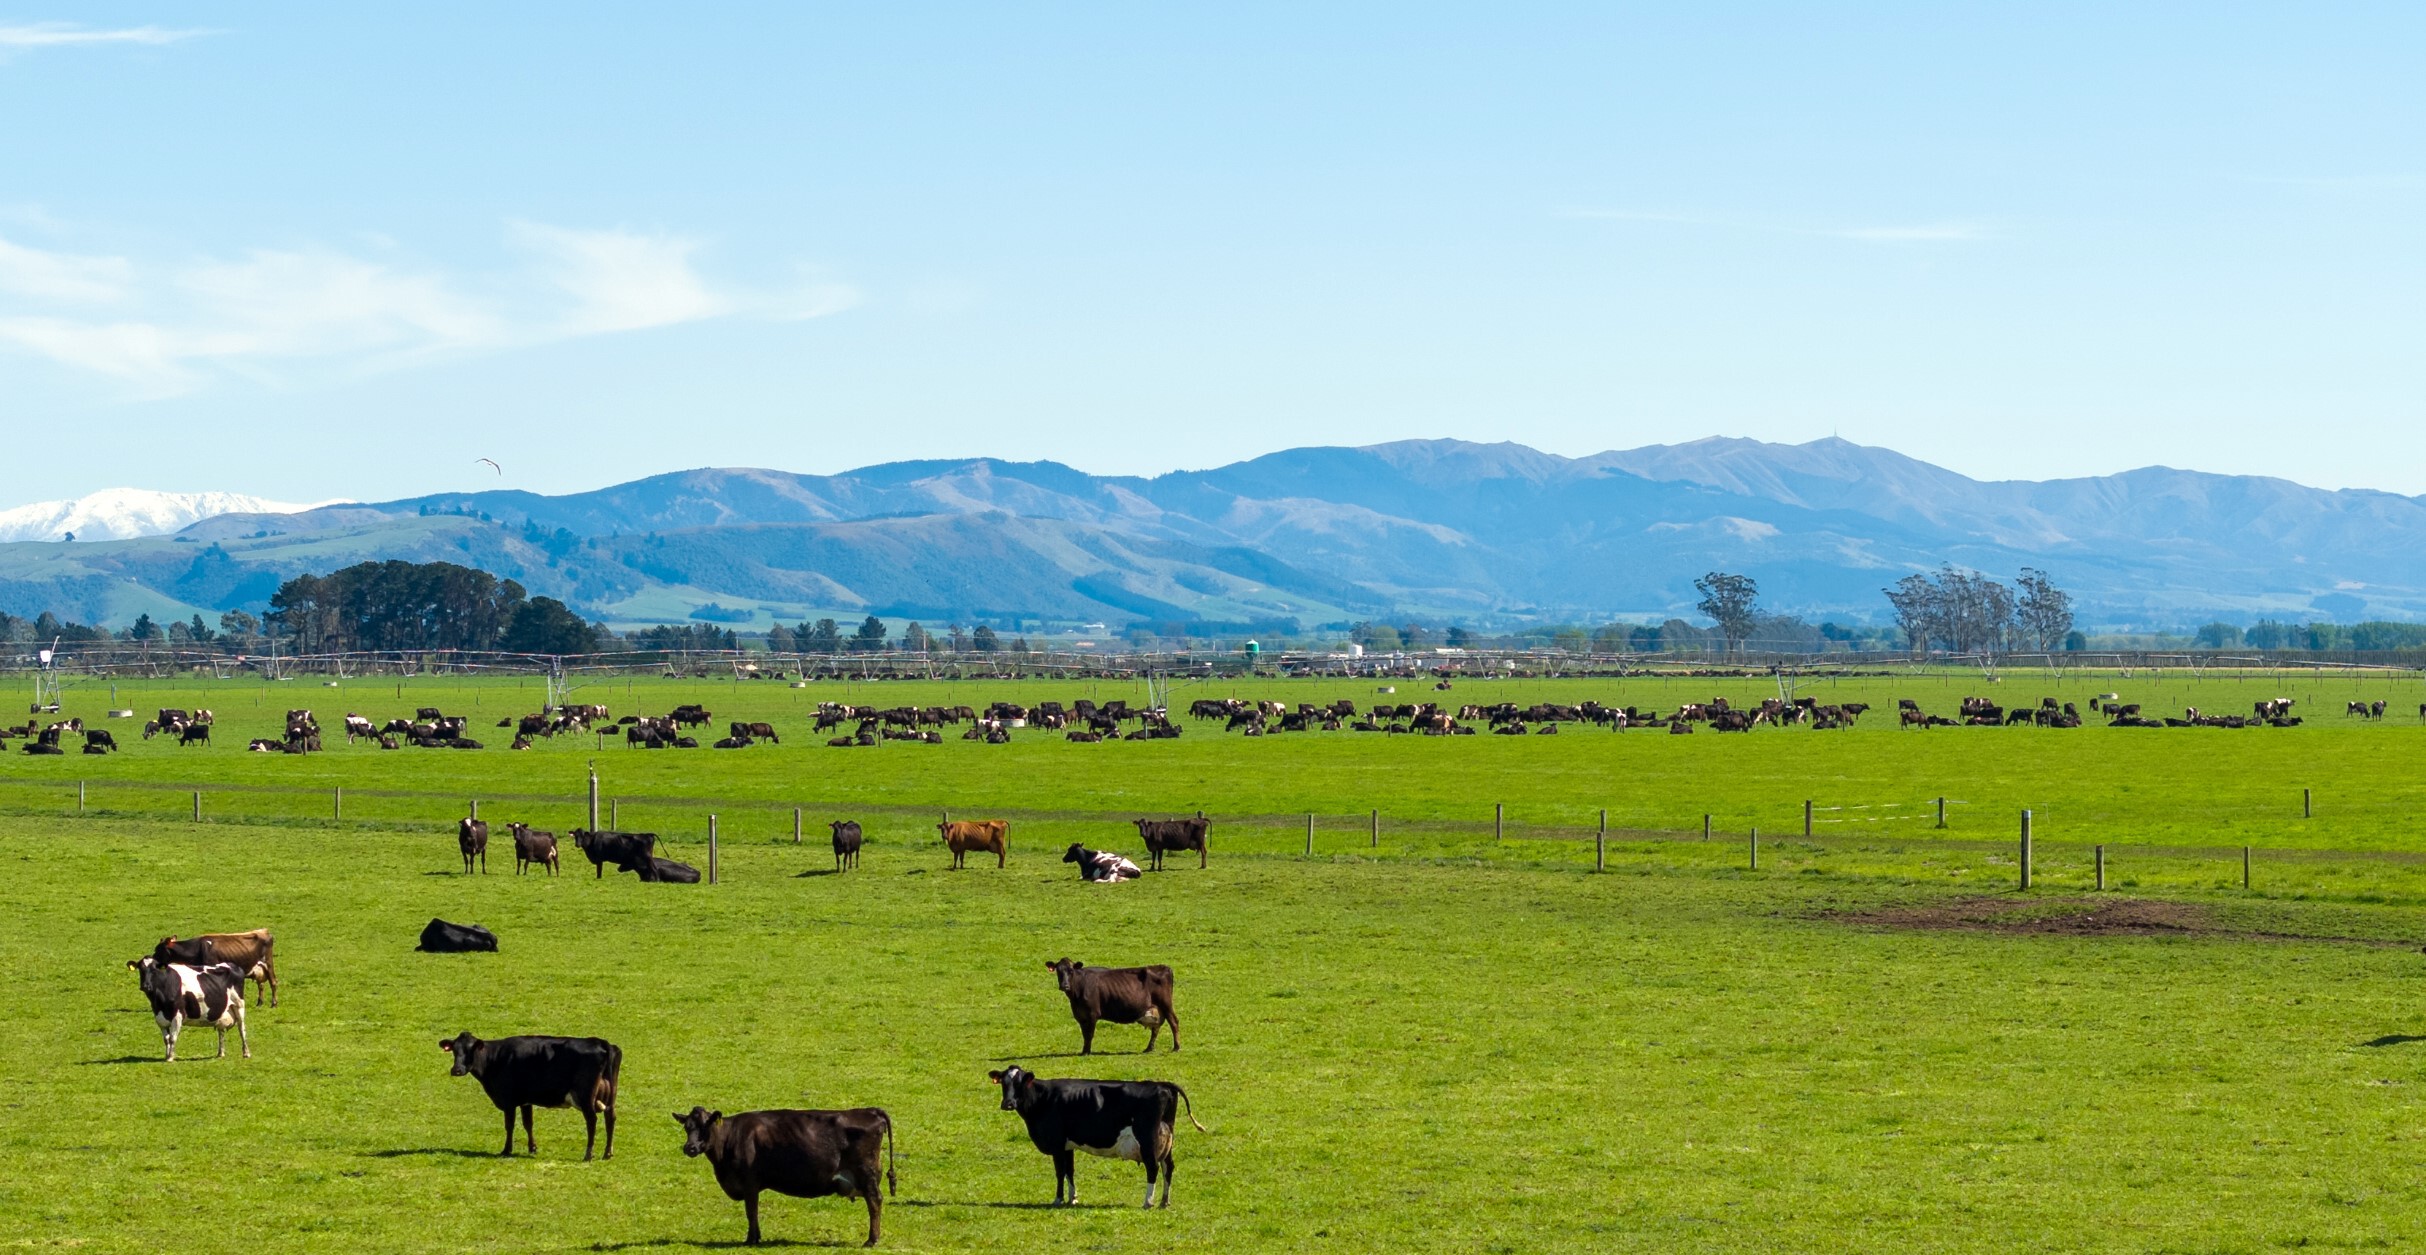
column 2080, row 917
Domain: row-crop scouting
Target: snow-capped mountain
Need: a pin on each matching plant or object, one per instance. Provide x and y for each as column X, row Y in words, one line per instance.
column 126, row 513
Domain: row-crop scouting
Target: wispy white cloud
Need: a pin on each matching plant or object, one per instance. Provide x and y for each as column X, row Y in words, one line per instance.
column 66, row 34
column 272, row 314
column 1919, row 233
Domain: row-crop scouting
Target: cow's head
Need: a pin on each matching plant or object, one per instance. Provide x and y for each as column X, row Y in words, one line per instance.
column 1075, row 854
column 1065, row 970
column 142, row 967
column 463, row 1046
column 1141, row 826
column 697, row 1125
column 1016, row 1082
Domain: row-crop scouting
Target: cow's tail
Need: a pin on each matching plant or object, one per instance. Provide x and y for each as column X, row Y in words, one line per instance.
column 891, row 1185
column 1183, row 1098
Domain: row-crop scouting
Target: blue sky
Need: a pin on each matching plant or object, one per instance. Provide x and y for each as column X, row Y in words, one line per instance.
column 322, row 251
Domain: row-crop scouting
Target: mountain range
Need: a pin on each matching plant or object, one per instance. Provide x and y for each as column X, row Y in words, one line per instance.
column 1440, row 530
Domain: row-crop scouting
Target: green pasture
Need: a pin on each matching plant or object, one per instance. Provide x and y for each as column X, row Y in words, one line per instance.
column 1452, row 1054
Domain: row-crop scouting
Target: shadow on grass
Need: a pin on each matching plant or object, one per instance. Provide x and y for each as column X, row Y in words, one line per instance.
column 703, row 1244
column 87, row 1063
column 819, row 871
column 2394, row 1039
column 1071, row 1054
column 1000, row 1206
column 455, row 1151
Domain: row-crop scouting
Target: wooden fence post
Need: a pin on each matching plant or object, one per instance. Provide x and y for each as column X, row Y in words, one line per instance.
column 1499, row 820
column 1705, row 826
column 2101, row 869
column 615, row 813
column 475, row 808
column 1756, row 849
column 2244, row 867
column 1600, row 843
column 1941, row 812
column 79, row 797
column 197, row 806
column 337, row 802
column 2025, row 849
column 711, row 848
column 795, row 825
column 2307, row 805
column 593, row 799
column 1309, row 836
column 1806, row 819
column 1374, row 823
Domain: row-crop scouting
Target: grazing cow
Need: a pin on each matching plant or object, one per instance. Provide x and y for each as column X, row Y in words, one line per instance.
column 529, row 1072
column 964, row 835
column 847, row 840
column 472, row 837
column 623, row 849
column 1119, row 995
column 1100, row 866
column 665, row 871
column 805, row 1154
column 1132, row 1120
column 356, row 725
column 194, row 734
column 441, row 937
column 98, row 740
column 533, row 846
column 252, row 953
column 1163, row 835
column 211, row 994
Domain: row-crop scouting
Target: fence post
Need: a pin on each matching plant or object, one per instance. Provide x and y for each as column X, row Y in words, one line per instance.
column 711, row 849
column 197, row 806
column 1499, row 820
column 79, row 797
column 615, row 813
column 1806, row 819
column 337, row 802
column 795, row 825
column 2101, row 869
column 1600, row 843
column 475, row 808
column 594, row 799
column 1705, row 826
column 2025, row 849
column 1309, row 836
column 2244, row 867
column 2307, row 805
column 1375, row 822
column 1941, row 812
column 1756, row 849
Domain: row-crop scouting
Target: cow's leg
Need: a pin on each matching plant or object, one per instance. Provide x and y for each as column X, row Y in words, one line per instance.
column 875, row 1214
column 589, row 1121
column 509, row 1132
column 244, row 1036
column 530, row 1140
column 1086, row 1037
column 1065, row 1177
column 1002, row 857
column 1168, row 1160
column 750, row 1207
column 1153, row 1034
column 168, row 1035
column 1200, row 858
column 1171, row 1018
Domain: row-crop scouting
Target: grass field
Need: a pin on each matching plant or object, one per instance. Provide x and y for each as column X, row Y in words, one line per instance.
column 1446, row 1044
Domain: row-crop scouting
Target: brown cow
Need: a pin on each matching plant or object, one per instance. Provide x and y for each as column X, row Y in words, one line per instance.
column 963, row 835
column 472, row 837
column 533, row 846
column 249, row 953
column 1121, row 995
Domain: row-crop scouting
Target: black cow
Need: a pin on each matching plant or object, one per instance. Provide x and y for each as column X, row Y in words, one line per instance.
column 1132, row 1120
column 1121, row 995
column 665, row 871
column 472, row 837
column 441, row 937
column 529, row 1072
column 806, row 1154
column 533, row 846
column 624, row 849
column 212, row 994
column 194, row 734
column 847, row 840
column 1173, row 834
column 99, row 739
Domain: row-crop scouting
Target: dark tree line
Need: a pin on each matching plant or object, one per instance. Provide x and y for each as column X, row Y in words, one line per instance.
column 398, row 605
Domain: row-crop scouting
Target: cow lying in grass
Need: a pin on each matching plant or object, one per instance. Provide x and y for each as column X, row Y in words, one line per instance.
column 1100, row 866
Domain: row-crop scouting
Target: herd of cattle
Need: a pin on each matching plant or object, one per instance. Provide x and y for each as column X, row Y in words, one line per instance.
column 804, row 1154
column 1087, row 721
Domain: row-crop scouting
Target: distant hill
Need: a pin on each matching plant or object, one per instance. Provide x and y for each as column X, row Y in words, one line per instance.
column 1440, row 529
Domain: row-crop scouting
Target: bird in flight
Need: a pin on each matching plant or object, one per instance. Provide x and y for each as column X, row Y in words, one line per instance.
column 491, row 465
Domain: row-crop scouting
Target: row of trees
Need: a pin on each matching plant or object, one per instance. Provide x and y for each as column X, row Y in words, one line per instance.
column 1967, row 612
column 397, row 605
column 825, row 636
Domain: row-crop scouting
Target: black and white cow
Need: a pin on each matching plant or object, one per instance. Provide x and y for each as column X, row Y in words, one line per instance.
column 529, row 1072
column 1100, row 866
column 212, row 994
column 1132, row 1120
